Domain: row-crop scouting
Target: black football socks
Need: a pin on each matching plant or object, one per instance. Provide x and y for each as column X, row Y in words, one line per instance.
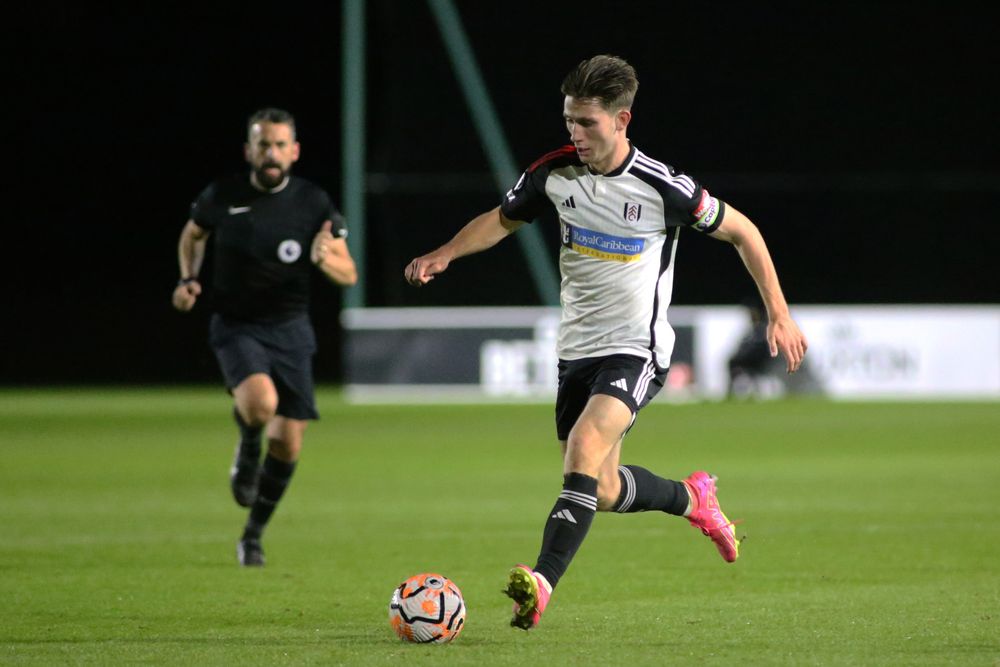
column 274, row 478
column 567, row 525
column 642, row 491
column 249, row 438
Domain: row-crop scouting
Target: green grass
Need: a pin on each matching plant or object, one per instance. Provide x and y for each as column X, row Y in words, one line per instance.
column 873, row 537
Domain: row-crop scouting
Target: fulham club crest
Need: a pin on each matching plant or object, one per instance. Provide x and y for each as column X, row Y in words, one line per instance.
column 632, row 212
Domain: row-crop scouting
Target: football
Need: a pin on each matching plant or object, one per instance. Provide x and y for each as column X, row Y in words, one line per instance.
column 427, row 609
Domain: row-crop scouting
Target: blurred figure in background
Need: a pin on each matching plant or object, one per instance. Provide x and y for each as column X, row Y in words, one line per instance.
column 754, row 373
column 269, row 229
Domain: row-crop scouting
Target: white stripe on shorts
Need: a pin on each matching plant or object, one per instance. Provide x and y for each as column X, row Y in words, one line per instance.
column 648, row 372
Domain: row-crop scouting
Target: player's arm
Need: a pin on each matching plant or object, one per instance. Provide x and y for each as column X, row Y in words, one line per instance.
column 190, row 254
column 331, row 256
column 782, row 333
column 481, row 233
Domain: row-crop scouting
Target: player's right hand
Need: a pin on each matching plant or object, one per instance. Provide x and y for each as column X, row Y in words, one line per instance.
column 784, row 336
column 185, row 295
column 423, row 269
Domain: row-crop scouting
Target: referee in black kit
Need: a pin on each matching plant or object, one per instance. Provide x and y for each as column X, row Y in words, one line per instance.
column 269, row 227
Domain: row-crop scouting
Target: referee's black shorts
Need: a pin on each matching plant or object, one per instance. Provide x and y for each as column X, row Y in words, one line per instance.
column 633, row 380
column 284, row 351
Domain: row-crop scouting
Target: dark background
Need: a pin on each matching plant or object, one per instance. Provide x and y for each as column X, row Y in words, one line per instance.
column 861, row 138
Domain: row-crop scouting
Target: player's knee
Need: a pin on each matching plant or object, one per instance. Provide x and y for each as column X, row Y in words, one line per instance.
column 259, row 409
column 256, row 399
column 583, row 438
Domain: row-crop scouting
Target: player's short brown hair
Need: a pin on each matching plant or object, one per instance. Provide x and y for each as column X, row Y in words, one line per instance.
column 271, row 115
column 608, row 79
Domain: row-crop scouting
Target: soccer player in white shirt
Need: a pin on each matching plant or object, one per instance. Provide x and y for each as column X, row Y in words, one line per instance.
column 620, row 214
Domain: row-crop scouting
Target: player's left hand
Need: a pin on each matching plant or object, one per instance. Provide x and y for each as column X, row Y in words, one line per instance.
column 783, row 335
column 321, row 243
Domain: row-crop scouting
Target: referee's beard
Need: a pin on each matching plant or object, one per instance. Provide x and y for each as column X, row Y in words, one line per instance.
column 270, row 175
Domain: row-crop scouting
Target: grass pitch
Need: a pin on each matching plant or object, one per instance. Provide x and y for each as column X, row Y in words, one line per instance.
column 872, row 536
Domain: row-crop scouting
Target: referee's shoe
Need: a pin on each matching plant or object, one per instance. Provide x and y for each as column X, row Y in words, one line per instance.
column 249, row 552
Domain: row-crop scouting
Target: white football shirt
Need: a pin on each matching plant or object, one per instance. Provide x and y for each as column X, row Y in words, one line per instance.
column 619, row 236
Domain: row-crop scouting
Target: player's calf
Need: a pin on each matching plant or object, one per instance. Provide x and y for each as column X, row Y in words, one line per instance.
column 244, row 477
column 244, row 474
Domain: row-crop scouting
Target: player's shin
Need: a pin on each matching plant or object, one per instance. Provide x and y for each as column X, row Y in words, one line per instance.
column 567, row 525
column 275, row 476
column 641, row 490
column 249, row 438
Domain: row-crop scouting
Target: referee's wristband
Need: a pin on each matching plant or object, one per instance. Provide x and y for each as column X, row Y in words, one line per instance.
column 186, row 281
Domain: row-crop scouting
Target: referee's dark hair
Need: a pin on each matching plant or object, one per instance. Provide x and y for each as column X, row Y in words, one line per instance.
column 271, row 115
column 608, row 79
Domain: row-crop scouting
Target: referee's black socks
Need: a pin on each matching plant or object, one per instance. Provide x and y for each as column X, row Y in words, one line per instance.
column 642, row 491
column 567, row 525
column 274, row 478
column 249, row 438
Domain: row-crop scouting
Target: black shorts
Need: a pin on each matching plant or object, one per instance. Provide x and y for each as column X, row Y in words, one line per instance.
column 284, row 351
column 633, row 380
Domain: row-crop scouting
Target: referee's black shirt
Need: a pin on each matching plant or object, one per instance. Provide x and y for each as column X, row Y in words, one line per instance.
column 261, row 245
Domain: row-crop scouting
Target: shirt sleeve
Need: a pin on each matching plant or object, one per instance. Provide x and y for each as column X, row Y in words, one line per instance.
column 708, row 212
column 526, row 200
column 689, row 203
column 204, row 208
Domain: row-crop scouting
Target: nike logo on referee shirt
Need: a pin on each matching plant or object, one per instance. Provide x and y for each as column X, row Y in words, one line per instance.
column 233, row 210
